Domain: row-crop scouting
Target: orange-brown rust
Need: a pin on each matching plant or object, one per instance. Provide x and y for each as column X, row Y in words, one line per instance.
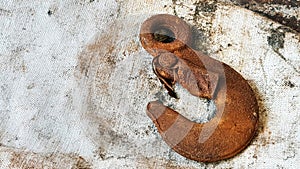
column 198, row 81
column 236, row 119
column 178, row 27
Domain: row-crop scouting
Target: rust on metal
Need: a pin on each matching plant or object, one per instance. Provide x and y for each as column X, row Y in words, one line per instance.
column 236, row 119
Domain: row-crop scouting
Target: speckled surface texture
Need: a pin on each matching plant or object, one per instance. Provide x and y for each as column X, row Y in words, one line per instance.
column 75, row 82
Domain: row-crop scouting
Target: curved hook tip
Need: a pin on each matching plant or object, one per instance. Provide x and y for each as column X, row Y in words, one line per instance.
column 155, row 110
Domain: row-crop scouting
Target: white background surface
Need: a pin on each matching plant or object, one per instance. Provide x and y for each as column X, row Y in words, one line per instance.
column 75, row 82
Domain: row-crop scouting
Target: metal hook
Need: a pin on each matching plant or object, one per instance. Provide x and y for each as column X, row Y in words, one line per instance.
column 236, row 119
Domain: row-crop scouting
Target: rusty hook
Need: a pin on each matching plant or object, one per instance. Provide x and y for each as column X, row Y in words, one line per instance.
column 236, row 119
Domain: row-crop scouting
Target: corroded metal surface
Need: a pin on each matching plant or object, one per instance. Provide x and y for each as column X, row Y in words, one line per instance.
column 236, row 116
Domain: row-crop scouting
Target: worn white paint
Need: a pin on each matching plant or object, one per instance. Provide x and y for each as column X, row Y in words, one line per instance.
column 76, row 83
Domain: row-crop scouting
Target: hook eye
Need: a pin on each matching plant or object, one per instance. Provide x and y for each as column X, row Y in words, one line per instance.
column 164, row 35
